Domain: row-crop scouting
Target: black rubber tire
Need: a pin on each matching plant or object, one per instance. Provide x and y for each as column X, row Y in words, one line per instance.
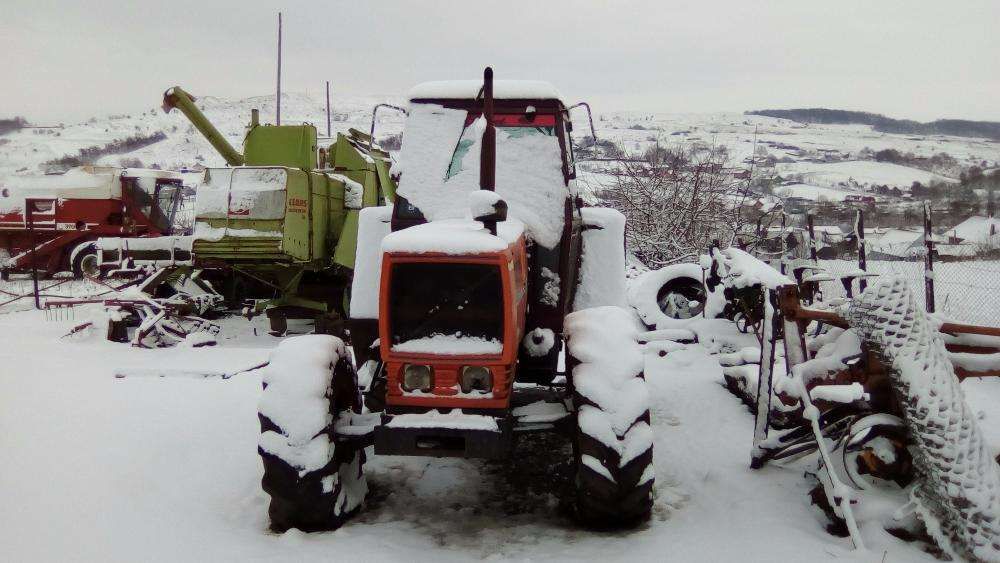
column 81, row 265
column 602, row 503
column 688, row 288
column 278, row 325
column 300, row 501
column 330, row 323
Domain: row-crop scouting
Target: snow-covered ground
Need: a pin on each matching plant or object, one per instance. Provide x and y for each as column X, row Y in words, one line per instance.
column 99, row 468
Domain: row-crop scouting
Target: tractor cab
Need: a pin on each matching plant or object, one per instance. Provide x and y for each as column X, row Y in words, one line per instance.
column 532, row 137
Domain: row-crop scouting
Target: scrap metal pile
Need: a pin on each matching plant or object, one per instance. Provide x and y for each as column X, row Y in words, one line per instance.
column 867, row 392
column 167, row 308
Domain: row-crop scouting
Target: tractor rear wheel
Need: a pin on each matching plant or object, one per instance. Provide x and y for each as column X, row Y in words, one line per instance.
column 314, row 483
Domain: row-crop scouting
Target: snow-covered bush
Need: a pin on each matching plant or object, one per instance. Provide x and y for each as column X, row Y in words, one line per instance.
column 677, row 203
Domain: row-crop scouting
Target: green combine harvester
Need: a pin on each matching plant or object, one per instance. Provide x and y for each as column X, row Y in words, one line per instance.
column 283, row 217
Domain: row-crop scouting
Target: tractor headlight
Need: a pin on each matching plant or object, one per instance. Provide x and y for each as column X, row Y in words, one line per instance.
column 476, row 378
column 417, row 376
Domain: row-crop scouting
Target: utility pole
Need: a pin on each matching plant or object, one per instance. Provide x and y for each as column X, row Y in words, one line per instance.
column 328, row 109
column 277, row 118
column 859, row 233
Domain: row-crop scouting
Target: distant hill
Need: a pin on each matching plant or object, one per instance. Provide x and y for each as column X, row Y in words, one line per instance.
column 954, row 127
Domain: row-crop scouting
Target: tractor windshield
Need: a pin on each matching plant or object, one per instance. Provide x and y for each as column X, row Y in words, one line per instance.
column 514, row 133
column 440, row 166
column 455, row 304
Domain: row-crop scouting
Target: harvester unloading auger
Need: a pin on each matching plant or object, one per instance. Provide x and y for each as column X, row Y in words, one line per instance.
column 282, row 219
column 492, row 263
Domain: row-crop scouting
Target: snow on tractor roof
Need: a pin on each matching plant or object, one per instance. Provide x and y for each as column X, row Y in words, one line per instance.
column 469, row 89
column 439, row 163
column 151, row 173
column 453, row 237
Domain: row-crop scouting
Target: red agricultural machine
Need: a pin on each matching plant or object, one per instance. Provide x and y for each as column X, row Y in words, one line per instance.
column 485, row 266
column 52, row 222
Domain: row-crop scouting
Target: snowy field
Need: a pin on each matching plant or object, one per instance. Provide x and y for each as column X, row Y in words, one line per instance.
column 99, row 468
column 799, row 148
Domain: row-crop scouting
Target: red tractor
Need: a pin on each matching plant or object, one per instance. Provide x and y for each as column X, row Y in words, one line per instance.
column 488, row 263
column 52, row 222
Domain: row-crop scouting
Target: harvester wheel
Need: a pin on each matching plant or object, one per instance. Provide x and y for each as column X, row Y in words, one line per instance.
column 86, row 263
column 302, row 495
column 329, row 323
column 278, row 324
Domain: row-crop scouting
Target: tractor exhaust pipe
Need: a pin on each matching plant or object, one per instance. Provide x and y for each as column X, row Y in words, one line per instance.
column 488, row 155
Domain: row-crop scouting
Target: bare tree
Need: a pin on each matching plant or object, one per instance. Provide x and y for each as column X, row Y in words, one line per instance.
column 677, row 201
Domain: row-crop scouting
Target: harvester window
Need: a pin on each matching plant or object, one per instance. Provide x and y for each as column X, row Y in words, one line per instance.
column 167, row 202
column 428, row 299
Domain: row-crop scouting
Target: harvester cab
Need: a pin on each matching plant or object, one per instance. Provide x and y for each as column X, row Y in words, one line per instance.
column 486, row 268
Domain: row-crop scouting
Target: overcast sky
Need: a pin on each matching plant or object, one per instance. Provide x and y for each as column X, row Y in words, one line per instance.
column 63, row 60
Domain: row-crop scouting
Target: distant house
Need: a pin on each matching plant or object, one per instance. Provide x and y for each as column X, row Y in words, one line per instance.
column 797, row 205
column 979, row 230
column 895, row 244
column 863, row 199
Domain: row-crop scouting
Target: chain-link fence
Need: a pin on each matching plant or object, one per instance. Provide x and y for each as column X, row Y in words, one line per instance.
column 966, row 288
column 968, row 291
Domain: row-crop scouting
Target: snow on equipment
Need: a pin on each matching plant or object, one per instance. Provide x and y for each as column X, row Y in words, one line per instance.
column 53, row 222
column 486, row 266
column 282, row 218
column 872, row 390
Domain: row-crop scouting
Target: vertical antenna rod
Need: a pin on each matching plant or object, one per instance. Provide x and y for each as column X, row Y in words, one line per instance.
column 277, row 119
column 328, row 109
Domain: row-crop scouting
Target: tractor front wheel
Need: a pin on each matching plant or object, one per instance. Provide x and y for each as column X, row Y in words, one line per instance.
column 613, row 442
column 315, row 480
